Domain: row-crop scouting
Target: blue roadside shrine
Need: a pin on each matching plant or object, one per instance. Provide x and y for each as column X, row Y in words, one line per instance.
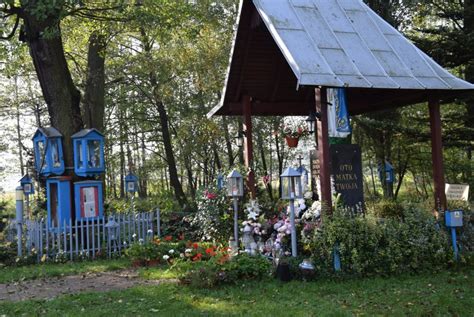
column 67, row 202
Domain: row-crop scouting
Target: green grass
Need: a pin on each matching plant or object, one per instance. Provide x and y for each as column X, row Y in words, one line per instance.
column 446, row 293
column 11, row 274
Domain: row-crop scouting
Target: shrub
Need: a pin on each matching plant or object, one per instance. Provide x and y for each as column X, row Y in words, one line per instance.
column 212, row 221
column 215, row 272
column 413, row 244
column 385, row 209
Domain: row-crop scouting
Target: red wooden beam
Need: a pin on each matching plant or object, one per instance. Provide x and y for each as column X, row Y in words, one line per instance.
column 323, row 142
column 248, row 145
column 437, row 154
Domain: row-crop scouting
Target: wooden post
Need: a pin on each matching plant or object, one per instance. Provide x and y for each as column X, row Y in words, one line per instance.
column 323, row 149
column 248, row 145
column 437, row 154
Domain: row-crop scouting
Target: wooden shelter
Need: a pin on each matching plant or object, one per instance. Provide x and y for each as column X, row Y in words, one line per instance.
column 287, row 52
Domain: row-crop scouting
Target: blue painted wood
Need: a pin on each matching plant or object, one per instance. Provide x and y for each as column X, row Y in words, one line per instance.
column 48, row 151
column 131, row 183
column 88, row 147
column 89, row 210
column 61, row 197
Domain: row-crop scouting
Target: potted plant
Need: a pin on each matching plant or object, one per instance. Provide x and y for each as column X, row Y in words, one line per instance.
column 293, row 131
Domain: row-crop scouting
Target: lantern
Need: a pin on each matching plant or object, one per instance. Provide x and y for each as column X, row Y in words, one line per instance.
column 291, row 184
column 48, row 150
column 131, row 183
column 113, row 233
column 27, row 185
column 235, row 184
column 311, row 122
column 291, row 189
column 240, row 138
column 88, row 152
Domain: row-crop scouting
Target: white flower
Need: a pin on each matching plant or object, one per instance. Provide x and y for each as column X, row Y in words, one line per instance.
column 166, row 257
column 140, row 241
column 252, row 215
column 181, row 255
column 134, row 235
column 150, row 231
column 188, row 251
column 171, row 251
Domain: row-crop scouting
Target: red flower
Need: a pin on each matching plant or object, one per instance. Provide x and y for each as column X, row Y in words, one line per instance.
column 168, row 238
column 181, row 237
column 210, row 251
column 211, row 195
column 195, row 245
column 197, row 257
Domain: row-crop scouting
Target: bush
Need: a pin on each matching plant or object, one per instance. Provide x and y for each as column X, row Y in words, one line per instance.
column 414, row 244
column 216, row 272
column 212, row 221
column 385, row 209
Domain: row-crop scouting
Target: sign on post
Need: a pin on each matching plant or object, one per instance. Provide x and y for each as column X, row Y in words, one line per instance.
column 457, row 192
column 346, row 170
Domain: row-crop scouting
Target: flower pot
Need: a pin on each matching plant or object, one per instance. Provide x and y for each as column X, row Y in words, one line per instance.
column 292, row 142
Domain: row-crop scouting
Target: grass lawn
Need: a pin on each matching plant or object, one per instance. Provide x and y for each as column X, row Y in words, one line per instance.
column 445, row 293
column 10, row 274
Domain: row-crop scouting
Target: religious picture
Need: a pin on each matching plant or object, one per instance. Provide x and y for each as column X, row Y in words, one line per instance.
column 89, row 202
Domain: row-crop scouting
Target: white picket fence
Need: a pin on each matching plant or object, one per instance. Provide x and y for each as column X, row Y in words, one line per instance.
column 90, row 238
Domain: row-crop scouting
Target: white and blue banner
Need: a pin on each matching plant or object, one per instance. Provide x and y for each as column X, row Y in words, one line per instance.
column 338, row 117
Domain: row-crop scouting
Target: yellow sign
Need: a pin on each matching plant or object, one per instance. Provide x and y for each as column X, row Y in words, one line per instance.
column 457, row 192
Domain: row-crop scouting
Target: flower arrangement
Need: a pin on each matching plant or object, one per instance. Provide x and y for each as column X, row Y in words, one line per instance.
column 295, row 129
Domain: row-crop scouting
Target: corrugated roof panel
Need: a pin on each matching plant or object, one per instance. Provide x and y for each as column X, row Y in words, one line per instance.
column 281, row 14
column 323, row 40
column 361, row 56
column 316, row 27
column 334, row 15
column 374, row 39
column 410, row 56
column 383, row 25
column 309, row 59
column 408, row 83
column 354, row 81
column 382, row 82
column 351, row 5
column 339, row 62
column 392, row 65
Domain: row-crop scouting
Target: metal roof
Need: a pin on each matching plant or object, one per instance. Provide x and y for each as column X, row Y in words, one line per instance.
column 49, row 132
column 85, row 132
column 333, row 43
column 343, row 43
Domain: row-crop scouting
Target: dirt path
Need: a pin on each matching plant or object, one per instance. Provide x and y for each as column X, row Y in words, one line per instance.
column 89, row 282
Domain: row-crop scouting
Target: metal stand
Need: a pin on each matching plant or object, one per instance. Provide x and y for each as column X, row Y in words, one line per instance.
column 293, row 229
column 455, row 245
column 236, row 220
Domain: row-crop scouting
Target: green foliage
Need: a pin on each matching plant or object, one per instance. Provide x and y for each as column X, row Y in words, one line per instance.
column 214, row 272
column 212, row 221
column 416, row 243
column 385, row 209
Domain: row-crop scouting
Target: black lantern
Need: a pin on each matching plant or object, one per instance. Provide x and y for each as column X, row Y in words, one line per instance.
column 311, row 122
column 240, row 138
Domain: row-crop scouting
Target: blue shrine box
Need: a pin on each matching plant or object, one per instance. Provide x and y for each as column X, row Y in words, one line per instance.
column 453, row 218
column 59, row 197
column 389, row 173
column 48, row 148
column 27, row 185
column 131, row 183
column 89, row 201
column 88, row 152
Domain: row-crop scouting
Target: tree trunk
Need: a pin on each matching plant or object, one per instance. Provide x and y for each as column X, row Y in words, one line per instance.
column 59, row 91
column 94, row 97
